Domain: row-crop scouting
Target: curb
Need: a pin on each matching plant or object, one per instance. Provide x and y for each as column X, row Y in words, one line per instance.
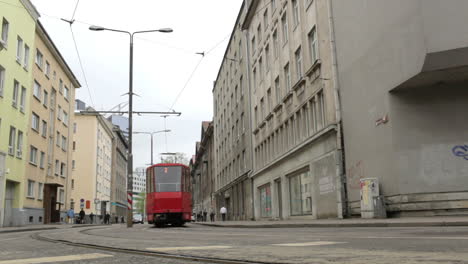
column 338, row 225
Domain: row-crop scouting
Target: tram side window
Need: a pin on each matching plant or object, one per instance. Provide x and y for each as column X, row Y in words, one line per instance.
column 168, row 179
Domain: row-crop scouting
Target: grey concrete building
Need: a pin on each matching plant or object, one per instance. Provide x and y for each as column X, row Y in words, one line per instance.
column 232, row 130
column 402, row 68
column 296, row 123
column 119, row 174
column 202, row 168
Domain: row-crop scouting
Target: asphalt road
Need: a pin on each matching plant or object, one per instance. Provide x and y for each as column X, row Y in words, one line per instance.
column 270, row 245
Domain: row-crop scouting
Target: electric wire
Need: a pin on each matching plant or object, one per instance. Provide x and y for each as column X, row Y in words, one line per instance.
column 74, row 11
column 186, row 83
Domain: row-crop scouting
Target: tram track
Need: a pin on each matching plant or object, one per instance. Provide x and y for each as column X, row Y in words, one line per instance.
column 149, row 253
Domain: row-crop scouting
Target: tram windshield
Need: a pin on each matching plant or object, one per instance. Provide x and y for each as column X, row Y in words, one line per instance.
column 168, row 179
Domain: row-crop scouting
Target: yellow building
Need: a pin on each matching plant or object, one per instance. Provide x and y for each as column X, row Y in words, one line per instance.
column 18, row 18
column 91, row 178
column 50, row 133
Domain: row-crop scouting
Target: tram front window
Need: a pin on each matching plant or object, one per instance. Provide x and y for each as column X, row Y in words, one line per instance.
column 168, row 179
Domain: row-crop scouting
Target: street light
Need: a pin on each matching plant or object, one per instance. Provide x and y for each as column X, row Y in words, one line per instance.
column 130, row 112
column 152, row 134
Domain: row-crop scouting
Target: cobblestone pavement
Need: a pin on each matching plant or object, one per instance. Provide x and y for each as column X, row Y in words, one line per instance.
column 22, row 248
column 287, row 245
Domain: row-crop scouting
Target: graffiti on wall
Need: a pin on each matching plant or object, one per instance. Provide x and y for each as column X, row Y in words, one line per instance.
column 461, row 151
column 355, row 173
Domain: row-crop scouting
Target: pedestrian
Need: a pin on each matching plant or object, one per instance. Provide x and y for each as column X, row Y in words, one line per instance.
column 212, row 215
column 71, row 215
column 223, row 212
column 82, row 216
column 122, row 219
column 116, row 219
column 107, row 218
column 91, row 217
column 205, row 213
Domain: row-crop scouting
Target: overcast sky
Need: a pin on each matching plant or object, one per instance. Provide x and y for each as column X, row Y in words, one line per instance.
column 163, row 63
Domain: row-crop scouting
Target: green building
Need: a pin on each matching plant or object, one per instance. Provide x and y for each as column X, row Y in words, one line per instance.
column 18, row 18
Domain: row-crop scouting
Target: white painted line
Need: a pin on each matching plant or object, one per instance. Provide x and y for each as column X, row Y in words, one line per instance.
column 306, row 244
column 55, row 259
column 188, row 248
column 415, row 237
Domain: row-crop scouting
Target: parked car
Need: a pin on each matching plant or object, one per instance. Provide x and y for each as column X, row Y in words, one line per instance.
column 137, row 219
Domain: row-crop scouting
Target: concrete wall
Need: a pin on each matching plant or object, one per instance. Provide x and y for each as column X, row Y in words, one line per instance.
column 387, row 52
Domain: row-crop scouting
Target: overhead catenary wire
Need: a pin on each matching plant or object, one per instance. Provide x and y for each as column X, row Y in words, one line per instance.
column 74, row 11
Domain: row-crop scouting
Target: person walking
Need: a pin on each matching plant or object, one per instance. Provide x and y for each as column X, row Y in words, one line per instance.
column 107, row 218
column 70, row 215
column 91, row 217
column 205, row 214
column 82, row 215
column 223, row 212
column 212, row 215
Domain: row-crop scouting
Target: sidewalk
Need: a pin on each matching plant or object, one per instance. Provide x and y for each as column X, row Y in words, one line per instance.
column 27, row 228
column 352, row 222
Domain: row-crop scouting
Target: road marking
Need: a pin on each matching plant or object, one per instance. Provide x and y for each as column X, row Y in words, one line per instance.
column 416, row 237
column 188, row 248
column 305, row 244
column 55, row 259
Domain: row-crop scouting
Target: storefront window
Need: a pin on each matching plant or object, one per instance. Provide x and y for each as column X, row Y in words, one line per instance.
column 265, row 201
column 300, row 194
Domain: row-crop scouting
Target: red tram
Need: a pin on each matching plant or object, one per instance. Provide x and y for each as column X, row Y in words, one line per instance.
column 168, row 197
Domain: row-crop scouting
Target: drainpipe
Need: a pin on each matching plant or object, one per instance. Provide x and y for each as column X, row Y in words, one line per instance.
column 252, row 157
column 342, row 191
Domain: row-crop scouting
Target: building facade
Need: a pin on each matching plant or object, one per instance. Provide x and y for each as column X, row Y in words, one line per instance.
column 119, row 174
column 232, row 129
column 92, row 159
column 404, row 100
column 139, row 189
column 202, row 168
column 16, row 66
column 47, row 179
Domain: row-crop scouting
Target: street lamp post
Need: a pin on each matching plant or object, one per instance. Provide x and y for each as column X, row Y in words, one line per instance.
column 130, row 112
column 152, row 134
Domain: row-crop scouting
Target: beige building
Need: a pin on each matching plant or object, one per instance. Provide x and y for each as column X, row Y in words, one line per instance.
column 297, row 157
column 232, row 129
column 119, row 174
column 92, row 159
column 47, row 178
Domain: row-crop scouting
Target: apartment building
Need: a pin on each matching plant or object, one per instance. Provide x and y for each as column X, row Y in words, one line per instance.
column 232, row 129
column 50, row 134
column 16, row 66
column 92, row 159
column 403, row 82
column 119, row 174
column 295, row 125
column 202, row 168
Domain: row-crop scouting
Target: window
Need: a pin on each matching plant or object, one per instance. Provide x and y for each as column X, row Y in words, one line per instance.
column 241, row 84
column 46, row 98
column 262, row 108
column 275, row 44
column 73, row 184
column 287, row 77
column 256, row 116
column 73, row 164
column 74, row 128
column 300, row 194
column 259, row 34
column 63, row 172
column 44, row 128
column 265, row 19
column 40, row 191
column 240, row 50
column 270, row 103
column 5, row 27
column 267, row 58
column 15, row 93
column 11, row 141
column 37, row 90
column 66, row 92
column 35, row 122
column 39, row 58
column 242, row 122
column 64, row 143
column 265, row 201
column 62, row 196
column 22, row 99
column 253, row 45
column 2, row 80
column 65, row 118
column 57, row 141
column 273, row 4
column 41, row 160
column 33, row 155
column 31, row 189
column 26, row 57
column 260, row 68
column 47, row 69
column 59, row 113
column 57, row 167
column 295, row 12
column 284, row 23
column 19, row 145
column 277, row 90
column 313, row 48
column 298, row 56
column 19, row 50
column 254, row 80
column 320, row 110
